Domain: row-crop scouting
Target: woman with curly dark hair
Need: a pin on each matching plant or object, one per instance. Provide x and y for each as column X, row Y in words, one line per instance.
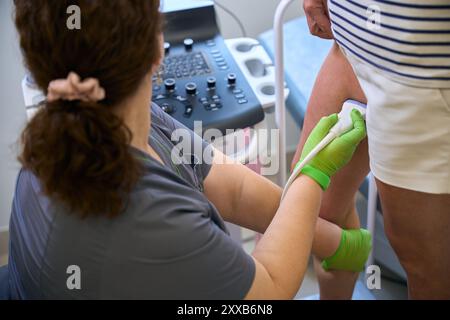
column 102, row 212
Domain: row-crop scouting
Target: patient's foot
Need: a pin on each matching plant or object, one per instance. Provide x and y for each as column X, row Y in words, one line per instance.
column 352, row 253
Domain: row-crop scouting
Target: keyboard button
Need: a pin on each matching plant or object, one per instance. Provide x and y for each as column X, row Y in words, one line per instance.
column 160, row 97
column 242, row 101
column 237, row 91
column 215, row 106
column 240, row 96
column 181, row 98
column 188, row 111
column 167, row 108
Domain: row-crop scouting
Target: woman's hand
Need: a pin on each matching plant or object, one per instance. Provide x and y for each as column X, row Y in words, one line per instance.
column 318, row 20
column 339, row 152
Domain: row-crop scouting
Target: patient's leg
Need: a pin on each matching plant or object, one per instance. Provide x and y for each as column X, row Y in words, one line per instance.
column 335, row 84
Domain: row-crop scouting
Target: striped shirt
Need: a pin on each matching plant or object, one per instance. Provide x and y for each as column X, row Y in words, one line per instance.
column 408, row 40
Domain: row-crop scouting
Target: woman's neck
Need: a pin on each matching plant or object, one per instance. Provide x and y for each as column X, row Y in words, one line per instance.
column 135, row 112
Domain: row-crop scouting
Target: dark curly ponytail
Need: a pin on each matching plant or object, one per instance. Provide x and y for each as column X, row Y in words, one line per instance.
column 80, row 150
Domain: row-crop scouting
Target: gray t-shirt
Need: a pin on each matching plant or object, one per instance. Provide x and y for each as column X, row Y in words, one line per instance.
column 169, row 243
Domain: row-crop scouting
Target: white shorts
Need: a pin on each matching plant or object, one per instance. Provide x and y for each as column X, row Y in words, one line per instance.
column 408, row 130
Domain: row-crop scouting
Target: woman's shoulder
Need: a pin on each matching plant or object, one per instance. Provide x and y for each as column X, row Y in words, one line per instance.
column 162, row 120
column 27, row 184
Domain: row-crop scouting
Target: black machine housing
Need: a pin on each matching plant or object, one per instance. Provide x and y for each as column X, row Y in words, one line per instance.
column 201, row 80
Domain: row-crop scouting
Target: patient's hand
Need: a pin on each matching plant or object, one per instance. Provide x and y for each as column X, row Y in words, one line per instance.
column 318, row 19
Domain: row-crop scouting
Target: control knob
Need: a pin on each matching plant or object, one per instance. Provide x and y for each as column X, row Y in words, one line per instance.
column 170, row 84
column 191, row 88
column 231, row 79
column 167, row 47
column 188, row 44
column 211, row 82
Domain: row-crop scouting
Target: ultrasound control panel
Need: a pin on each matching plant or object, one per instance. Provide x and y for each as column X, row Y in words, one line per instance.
column 200, row 80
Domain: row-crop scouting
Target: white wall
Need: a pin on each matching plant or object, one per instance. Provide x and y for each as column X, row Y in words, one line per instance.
column 256, row 15
column 12, row 110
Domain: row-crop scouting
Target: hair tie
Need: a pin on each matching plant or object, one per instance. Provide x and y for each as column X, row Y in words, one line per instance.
column 72, row 89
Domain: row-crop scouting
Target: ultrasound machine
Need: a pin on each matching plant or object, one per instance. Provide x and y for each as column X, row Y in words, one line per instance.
column 201, row 79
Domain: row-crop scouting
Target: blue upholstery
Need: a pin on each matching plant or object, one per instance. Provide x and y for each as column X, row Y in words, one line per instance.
column 4, row 283
column 304, row 56
column 360, row 293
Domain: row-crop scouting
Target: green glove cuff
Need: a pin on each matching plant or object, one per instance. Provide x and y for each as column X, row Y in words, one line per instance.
column 353, row 252
column 321, row 178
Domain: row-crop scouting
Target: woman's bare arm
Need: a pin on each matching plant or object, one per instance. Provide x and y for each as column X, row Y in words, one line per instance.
column 249, row 200
column 241, row 196
column 282, row 255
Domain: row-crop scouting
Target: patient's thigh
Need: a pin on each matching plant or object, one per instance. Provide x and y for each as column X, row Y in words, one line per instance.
column 418, row 227
column 335, row 84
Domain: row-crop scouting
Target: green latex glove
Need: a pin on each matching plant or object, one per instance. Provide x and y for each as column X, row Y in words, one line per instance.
column 353, row 252
column 337, row 154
